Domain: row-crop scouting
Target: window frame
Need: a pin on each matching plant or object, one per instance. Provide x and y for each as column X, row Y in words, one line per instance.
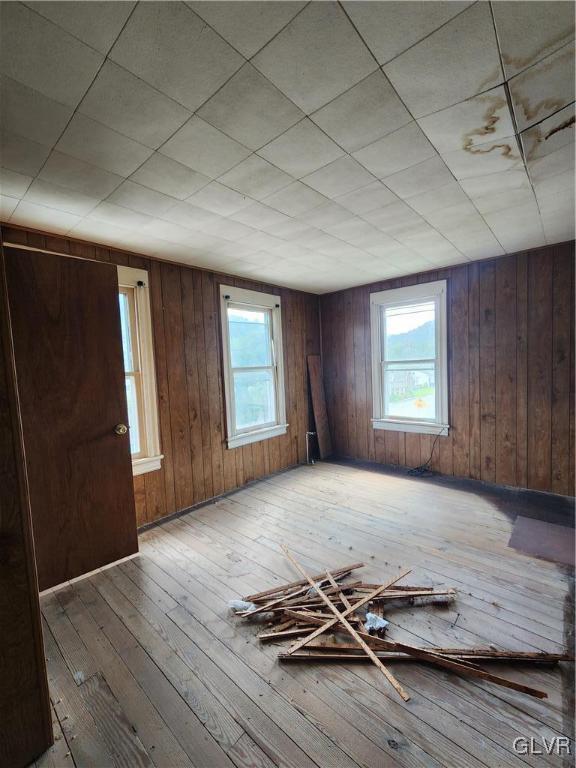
column 237, row 297
column 421, row 293
column 149, row 459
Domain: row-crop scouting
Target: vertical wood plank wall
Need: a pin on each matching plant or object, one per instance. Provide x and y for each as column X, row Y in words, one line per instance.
column 511, row 353
column 186, row 324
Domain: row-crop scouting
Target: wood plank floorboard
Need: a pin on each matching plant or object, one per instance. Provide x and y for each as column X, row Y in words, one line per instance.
column 149, row 668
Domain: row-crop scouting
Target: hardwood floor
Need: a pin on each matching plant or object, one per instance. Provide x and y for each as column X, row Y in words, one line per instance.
column 148, row 667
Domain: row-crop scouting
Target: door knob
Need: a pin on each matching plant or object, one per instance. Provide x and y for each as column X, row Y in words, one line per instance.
column 121, row 429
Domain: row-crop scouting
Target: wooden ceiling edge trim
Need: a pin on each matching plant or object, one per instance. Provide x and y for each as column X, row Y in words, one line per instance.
column 181, row 264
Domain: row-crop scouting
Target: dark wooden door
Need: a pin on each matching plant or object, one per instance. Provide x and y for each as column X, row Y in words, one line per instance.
column 25, row 721
column 70, row 376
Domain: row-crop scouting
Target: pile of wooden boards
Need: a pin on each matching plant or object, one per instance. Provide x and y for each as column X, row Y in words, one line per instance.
column 321, row 608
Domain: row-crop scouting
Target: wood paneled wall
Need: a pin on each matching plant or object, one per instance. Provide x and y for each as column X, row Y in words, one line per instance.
column 511, row 352
column 25, row 721
column 197, row 465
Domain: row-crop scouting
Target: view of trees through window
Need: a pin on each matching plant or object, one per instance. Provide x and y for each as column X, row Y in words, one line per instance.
column 252, row 364
column 410, row 361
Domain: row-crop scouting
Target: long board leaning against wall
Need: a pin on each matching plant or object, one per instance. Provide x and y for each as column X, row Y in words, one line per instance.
column 511, row 371
column 197, row 465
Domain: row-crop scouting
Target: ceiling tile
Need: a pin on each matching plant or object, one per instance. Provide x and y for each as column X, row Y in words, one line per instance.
column 262, row 241
column 250, row 109
column 517, row 227
column 423, row 177
column 472, row 237
column 227, row 229
column 30, row 113
column 366, row 199
column 20, row 154
column 528, row 32
column 396, row 214
column 316, row 57
column 13, row 184
column 166, row 175
column 219, row 199
column 295, row 199
column 79, row 176
column 559, row 227
column 357, row 232
column 248, row 26
column 94, row 143
column 44, row 57
column 293, row 229
column 499, row 190
column 170, row 47
column 256, row 177
column 475, row 121
column 130, row 106
column 40, row 217
column 166, row 230
column 390, row 28
column 259, row 216
column 96, row 23
column 363, row 114
column 187, row 215
column 457, row 61
column 301, row 150
column 491, row 157
column 338, row 178
column 325, row 215
column 204, row 148
column 141, row 199
column 550, row 135
column 53, row 196
column 7, row 206
column 118, row 216
column 551, row 165
column 544, row 88
column 443, row 197
column 93, row 230
column 405, row 147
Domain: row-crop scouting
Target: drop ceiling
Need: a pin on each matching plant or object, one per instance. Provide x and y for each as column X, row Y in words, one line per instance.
column 313, row 145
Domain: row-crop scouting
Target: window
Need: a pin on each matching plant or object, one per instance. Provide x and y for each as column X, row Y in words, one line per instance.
column 409, row 359
column 253, row 365
column 138, row 352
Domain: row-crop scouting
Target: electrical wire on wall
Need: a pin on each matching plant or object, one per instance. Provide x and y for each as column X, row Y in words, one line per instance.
column 423, row 470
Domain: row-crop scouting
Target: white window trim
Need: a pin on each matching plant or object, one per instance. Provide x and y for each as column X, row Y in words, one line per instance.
column 435, row 291
column 231, row 295
column 129, row 277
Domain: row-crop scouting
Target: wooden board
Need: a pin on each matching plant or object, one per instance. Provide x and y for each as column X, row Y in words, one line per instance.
column 319, row 406
column 70, row 376
column 25, row 721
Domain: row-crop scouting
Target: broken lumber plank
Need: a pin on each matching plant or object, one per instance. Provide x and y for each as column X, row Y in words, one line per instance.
column 338, row 573
column 347, row 612
column 326, row 653
column 464, row 667
column 342, row 620
column 285, row 634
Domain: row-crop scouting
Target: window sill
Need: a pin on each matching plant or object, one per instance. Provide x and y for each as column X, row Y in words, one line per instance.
column 259, row 434
column 421, row 427
column 146, row 464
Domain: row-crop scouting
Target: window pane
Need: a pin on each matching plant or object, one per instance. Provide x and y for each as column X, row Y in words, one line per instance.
column 410, row 393
column 126, row 332
column 410, row 332
column 254, row 398
column 249, row 331
column 132, row 399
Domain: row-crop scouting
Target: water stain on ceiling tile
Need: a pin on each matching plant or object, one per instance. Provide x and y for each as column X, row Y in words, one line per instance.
column 529, row 31
column 544, row 88
column 475, row 121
